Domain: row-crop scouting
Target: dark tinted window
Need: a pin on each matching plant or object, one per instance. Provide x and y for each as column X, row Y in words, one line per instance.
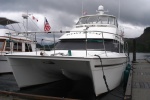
column 28, row 47
column 2, row 44
column 7, row 48
column 92, row 44
column 17, row 46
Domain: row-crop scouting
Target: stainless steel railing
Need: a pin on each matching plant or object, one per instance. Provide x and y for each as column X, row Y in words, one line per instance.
column 116, row 37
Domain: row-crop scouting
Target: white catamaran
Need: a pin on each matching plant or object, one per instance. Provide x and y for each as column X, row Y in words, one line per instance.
column 93, row 49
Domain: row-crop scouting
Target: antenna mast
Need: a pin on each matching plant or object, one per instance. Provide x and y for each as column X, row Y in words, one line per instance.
column 25, row 16
column 82, row 8
column 119, row 11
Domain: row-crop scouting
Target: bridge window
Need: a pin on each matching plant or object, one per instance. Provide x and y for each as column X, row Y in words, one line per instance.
column 97, row 19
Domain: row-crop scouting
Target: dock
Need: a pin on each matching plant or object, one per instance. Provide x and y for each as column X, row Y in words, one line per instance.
column 138, row 86
column 5, row 95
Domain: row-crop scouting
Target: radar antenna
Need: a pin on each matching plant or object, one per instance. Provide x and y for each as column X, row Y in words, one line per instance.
column 101, row 10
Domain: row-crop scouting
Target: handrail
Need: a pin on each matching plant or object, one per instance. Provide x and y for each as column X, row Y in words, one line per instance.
column 35, row 44
column 84, row 31
column 11, row 45
column 42, row 44
column 54, row 42
column 104, row 44
column 65, row 32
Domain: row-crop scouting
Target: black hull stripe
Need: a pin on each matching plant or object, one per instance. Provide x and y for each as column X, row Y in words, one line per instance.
column 109, row 65
column 3, row 60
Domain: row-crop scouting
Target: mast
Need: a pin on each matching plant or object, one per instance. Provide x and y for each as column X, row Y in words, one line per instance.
column 25, row 16
column 82, row 8
column 119, row 11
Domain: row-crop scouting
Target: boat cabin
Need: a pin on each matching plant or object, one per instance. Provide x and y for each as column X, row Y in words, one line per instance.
column 11, row 41
column 93, row 32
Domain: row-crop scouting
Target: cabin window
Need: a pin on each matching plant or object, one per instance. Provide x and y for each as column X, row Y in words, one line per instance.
column 17, row 46
column 116, row 23
column 97, row 19
column 7, row 48
column 93, row 19
column 2, row 44
column 83, row 20
column 102, row 20
column 92, row 44
column 28, row 47
column 111, row 21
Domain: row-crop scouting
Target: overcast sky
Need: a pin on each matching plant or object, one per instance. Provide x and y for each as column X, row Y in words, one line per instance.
column 63, row 14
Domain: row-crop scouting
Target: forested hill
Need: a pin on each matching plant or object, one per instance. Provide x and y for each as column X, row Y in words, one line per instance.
column 142, row 42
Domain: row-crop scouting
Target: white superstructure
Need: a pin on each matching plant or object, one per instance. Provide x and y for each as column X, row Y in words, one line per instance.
column 11, row 41
column 93, row 49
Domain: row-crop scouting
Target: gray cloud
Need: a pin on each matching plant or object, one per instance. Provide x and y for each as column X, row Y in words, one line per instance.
column 132, row 11
column 64, row 12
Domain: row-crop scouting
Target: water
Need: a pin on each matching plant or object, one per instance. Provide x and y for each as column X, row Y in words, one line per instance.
column 139, row 56
column 80, row 89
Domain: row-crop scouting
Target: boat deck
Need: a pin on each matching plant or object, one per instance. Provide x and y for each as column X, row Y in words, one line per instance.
column 138, row 87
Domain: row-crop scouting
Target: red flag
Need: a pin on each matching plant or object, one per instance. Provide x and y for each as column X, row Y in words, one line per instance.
column 46, row 26
column 34, row 18
column 122, row 33
column 84, row 13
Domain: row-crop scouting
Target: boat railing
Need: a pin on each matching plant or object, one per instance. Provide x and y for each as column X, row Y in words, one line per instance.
column 13, row 41
column 116, row 37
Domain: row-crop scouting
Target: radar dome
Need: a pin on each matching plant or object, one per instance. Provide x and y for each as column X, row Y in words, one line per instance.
column 101, row 8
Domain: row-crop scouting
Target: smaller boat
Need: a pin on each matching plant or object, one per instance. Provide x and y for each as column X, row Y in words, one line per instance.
column 11, row 41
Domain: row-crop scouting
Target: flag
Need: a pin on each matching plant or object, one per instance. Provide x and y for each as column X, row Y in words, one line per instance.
column 122, row 33
column 34, row 18
column 84, row 13
column 46, row 26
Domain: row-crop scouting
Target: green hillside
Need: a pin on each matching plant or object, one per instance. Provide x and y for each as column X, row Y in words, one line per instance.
column 142, row 42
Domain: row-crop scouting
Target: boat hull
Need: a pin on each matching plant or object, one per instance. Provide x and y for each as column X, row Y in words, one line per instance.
column 113, row 74
column 4, row 65
column 32, row 70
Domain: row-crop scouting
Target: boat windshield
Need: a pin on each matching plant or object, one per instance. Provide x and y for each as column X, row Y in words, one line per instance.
column 98, row 19
column 92, row 44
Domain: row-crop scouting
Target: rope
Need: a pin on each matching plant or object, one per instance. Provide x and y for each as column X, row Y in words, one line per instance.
column 104, row 77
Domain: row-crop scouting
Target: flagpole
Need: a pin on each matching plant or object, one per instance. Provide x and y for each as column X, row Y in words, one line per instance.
column 119, row 11
column 119, row 20
column 54, row 42
column 27, row 22
column 82, row 8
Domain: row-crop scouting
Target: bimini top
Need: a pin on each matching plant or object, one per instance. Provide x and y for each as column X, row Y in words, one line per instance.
column 4, row 21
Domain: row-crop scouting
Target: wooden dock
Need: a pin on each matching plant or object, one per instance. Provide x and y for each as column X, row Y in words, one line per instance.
column 138, row 87
column 5, row 95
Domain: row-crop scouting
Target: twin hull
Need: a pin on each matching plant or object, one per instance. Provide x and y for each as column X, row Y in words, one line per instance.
column 38, row 70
